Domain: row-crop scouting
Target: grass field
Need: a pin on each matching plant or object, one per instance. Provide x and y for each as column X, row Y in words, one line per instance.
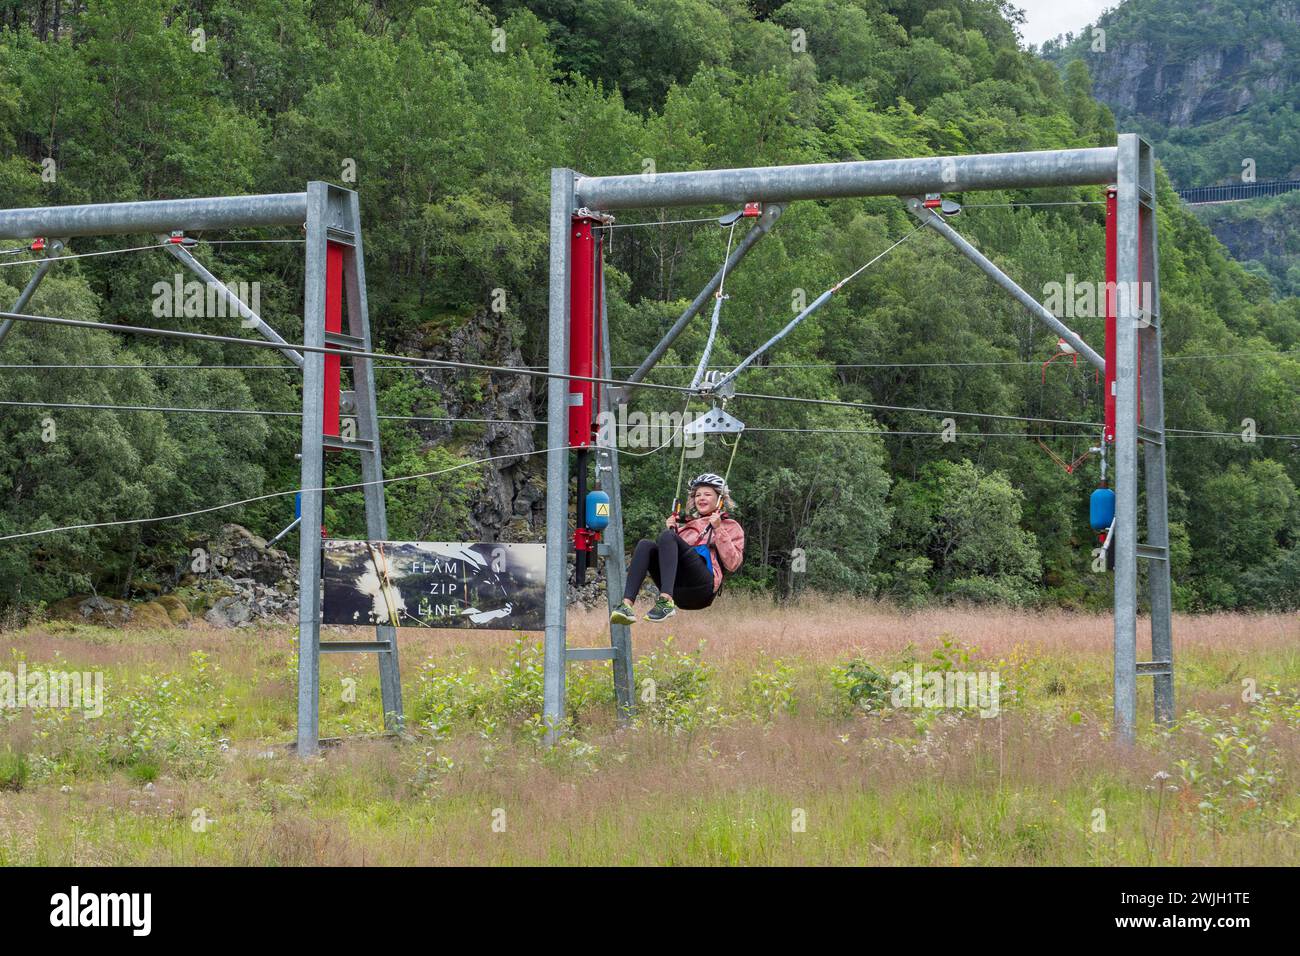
column 766, row 737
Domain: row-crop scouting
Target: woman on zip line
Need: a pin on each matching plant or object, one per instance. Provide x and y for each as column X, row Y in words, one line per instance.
column 689, row 560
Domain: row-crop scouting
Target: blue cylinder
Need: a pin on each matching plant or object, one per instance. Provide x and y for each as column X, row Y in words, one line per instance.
column 297, row 505
column 597, row 510
column 1101, row 509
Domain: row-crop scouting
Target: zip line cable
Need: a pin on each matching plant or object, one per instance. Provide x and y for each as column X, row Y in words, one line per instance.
column 906, row 408
column 248, row 501
column 444, row 363
column 82, row 255
column 862, row 268
column 1056, row 435
column 674, row 222
column 327, row 350
column 529, row 372
column 811, row 308
column 324, row 490
column 247, row 242
column 156, row 245
column 1173, row 432
column 664, row 365
column 655, row 222
column 718, row 296
column 1014, row 205
column 430, row 474
column 261, row 411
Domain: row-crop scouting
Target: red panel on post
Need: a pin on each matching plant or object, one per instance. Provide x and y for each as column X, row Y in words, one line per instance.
column 333, row 323
column 1112, row 276
column 584, row 337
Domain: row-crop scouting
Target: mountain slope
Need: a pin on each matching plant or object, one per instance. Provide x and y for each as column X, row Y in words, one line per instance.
column 1216, row 87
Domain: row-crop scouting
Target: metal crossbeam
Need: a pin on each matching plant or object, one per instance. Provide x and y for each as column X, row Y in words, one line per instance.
column 878, row 177
column 163, row 215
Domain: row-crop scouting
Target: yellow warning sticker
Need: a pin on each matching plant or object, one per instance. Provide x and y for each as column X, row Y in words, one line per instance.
column 602, row 509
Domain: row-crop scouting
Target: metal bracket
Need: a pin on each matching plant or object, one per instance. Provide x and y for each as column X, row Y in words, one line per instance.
column 601, row 217
column 715, row 422
column 949, row 207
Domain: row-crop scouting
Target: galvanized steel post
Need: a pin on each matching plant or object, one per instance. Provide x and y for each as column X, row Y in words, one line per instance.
column 313, row 474
column 557, row 456
column 1126, row 397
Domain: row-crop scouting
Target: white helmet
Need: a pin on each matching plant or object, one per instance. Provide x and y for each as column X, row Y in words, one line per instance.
column 711, row 480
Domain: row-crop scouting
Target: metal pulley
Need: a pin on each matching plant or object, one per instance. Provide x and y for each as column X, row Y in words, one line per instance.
column 716, row 421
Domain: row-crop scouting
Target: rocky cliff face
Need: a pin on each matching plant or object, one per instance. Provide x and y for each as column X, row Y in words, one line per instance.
column 1212, row 83
column 512, row 506
column 1260, row 239
column 1263, row 232
column 1145, row 77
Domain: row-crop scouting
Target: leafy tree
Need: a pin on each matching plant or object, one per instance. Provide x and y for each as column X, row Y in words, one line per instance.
column 966, row 524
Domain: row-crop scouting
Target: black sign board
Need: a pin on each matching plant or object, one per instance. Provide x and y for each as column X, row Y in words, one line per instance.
column 435, row 584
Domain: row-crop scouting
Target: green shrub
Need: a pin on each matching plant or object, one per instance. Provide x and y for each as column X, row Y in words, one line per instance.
column 14, row 770
column 768, row 692
column 516, row 691
column 672, row 689
column 1232, row 764
column 859, row 686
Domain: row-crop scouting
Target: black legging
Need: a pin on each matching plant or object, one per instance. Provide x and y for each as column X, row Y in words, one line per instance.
column 677, row 568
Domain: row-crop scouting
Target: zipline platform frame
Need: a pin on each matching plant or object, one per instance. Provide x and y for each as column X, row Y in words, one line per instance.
column 1129, row 165
column 335, row 278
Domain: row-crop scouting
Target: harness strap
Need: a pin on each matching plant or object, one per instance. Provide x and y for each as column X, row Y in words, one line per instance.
column 734, row 445
column 681, row 467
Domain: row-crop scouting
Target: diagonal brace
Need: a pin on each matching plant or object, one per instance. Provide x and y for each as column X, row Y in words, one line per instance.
column 771, row 213
column 251, row 318
column 51, row 256
column 930, row 218
column 812, row 307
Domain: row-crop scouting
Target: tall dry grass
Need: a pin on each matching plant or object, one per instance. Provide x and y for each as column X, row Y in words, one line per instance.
column 876, row 789
column 737, row 629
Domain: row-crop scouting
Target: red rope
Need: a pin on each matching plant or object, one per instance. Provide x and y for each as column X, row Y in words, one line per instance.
column 1069, row 466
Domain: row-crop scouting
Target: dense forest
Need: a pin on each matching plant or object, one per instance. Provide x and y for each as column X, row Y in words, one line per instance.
column 447, row 116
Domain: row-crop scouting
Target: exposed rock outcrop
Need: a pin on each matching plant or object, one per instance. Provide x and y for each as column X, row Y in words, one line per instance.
column 110, row 612
column 1145, row 78
column 236, row 552
column 511, row 506
column 1206, row 62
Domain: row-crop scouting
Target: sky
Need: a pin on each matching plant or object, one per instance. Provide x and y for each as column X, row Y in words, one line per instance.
column 1045, row 19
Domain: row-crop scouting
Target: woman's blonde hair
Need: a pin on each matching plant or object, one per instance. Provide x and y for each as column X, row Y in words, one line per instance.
column 725, row 501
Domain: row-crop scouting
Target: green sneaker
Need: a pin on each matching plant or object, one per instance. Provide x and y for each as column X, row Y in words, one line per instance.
column 623, row 614
column 664, row 608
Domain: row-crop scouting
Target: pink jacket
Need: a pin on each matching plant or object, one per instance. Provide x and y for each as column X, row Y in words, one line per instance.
column 727, row 544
